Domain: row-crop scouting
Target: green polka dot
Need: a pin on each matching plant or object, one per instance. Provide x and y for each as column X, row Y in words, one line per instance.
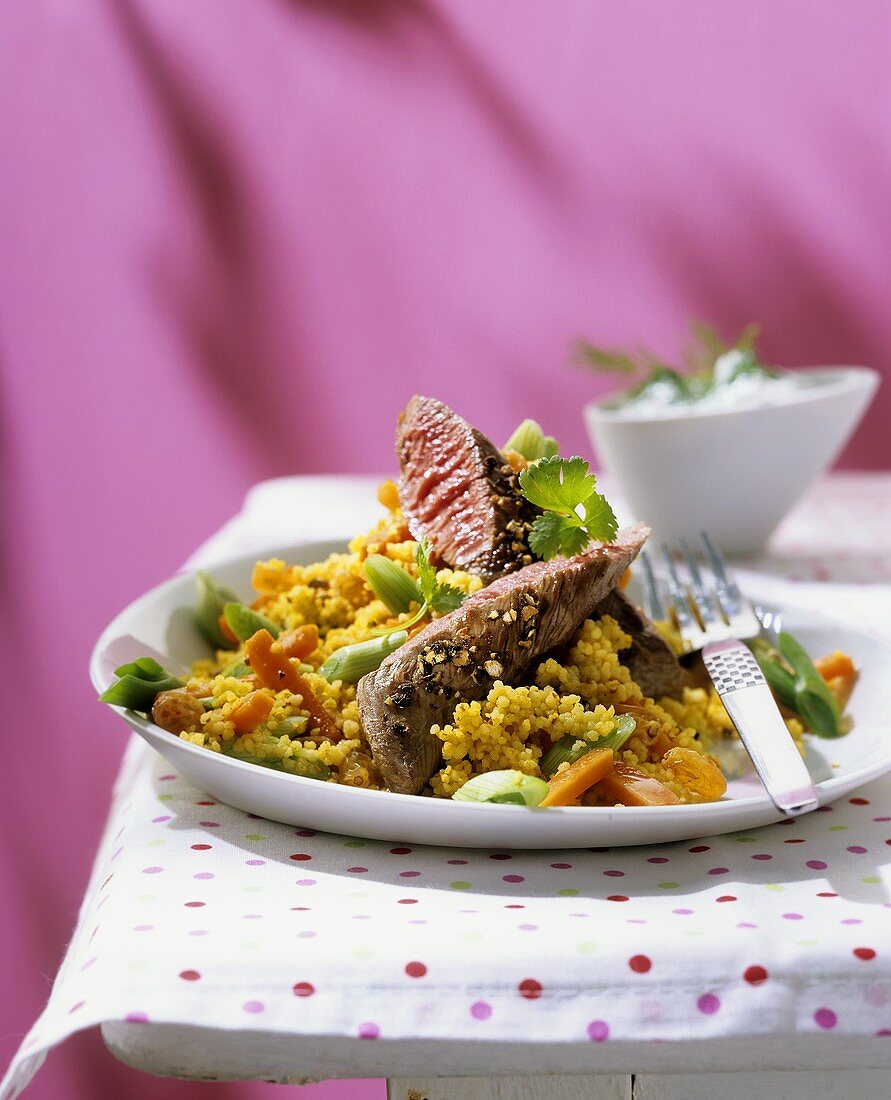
column 872, row 878
column 586, row 947
column 358, row 894
column 254, row 836
column 155, row 843
column 745, row 839
column 808, row 943
column 567, row 893
column 667, row 885
column 361, row 952
column 164, row 797
column 460, row 885
column 147, row 897
column 694, row 932
column 138, row 964
column 775, row 886
column 471, row 937
column 354, row 844
column 249, row 945
column 837, row 828
column 252, row 889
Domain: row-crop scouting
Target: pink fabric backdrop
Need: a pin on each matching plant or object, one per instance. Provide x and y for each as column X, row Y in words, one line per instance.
column 236, row 236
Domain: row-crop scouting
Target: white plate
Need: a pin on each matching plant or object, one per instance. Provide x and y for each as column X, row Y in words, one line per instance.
column 160, row 623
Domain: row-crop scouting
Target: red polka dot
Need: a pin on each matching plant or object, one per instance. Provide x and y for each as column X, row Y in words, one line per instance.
column 826, row 894
column 859, row 801
column 300, row 857
column 701, row 848
column 794, row 840
column 726, row 897
column 205, row 803
column 499, row 855
column 201, row 847
column 617, row 897
column 303, row 989
column 530, row 989
column 640, row 964
column 189, row 975
column 755, row 975
column 415, row 969
column 864, row 953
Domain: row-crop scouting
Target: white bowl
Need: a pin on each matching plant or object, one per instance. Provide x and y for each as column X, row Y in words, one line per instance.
column 732, row 473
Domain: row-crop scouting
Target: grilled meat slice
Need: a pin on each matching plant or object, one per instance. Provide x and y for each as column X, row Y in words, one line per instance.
column 457, row 489
column 650, row 659
column 498, row 633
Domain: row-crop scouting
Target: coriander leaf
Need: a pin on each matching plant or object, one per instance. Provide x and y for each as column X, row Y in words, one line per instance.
column 600, row 519
column 446, row 598
column 426, row 571
column 552, row 534
column 558, row 484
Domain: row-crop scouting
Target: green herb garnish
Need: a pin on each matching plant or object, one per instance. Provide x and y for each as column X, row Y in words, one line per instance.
column 574, row 512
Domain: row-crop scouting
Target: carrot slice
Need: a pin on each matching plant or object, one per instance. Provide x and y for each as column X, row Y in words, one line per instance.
column 631, row 787
column 274, row 669
column 251, row 712
column 301, row 641
column 840, row 673
column 226, row 630
column 572, row 782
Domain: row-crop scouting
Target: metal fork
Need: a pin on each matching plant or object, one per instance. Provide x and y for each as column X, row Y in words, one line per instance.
column 713, row 616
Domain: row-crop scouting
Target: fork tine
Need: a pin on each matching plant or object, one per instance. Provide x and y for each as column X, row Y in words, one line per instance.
column 654, row 606
column 705, row 602
column 676, row 590
column 728, row 590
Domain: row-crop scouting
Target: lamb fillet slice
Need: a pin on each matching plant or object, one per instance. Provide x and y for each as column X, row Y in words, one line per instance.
column 496, row 634
column 457, row 489
column 650, row 659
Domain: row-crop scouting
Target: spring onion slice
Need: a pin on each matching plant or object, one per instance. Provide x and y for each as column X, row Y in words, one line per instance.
column 813, row 699
column 391, row 584
column 244, row 622
column 212, row 599
column 510, row 787
column 531, row 442
column 569, row 749
column 138, row 683
column 302, row 763
column 352, row 662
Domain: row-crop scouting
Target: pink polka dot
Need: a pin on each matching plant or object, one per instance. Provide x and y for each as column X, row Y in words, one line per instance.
column 562, row 866
column 825, row 1018
column 456, row 862
column 208, row 824
column 204, row 875
column 762, row 856
column 658, row 859
column 76, row 1007
column 528, row 927
column 409, row 874
column 857, row 849
column 306, row 882
column 159, row 820
column 719, row 871
column 415, row 969
column 194, row 904
column 682, row 912
column 369, row 1031
column 253, row 1006
column 152, row 870
column 479, row 1010
column 307, row 935
column 136, row 1018
column 143, row 927
column 255, row 862
column 598, row 1031
column 614, row 874
column 792, row 916
column 513, row 878
column 357, row 870
column 816, row 865
column 708, row 1004
column 407, row 901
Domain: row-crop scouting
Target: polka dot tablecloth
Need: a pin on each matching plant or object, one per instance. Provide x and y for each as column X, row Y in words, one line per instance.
column 201, row 914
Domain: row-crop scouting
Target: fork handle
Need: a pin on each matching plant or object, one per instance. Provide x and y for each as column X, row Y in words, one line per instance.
column 753, row 710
